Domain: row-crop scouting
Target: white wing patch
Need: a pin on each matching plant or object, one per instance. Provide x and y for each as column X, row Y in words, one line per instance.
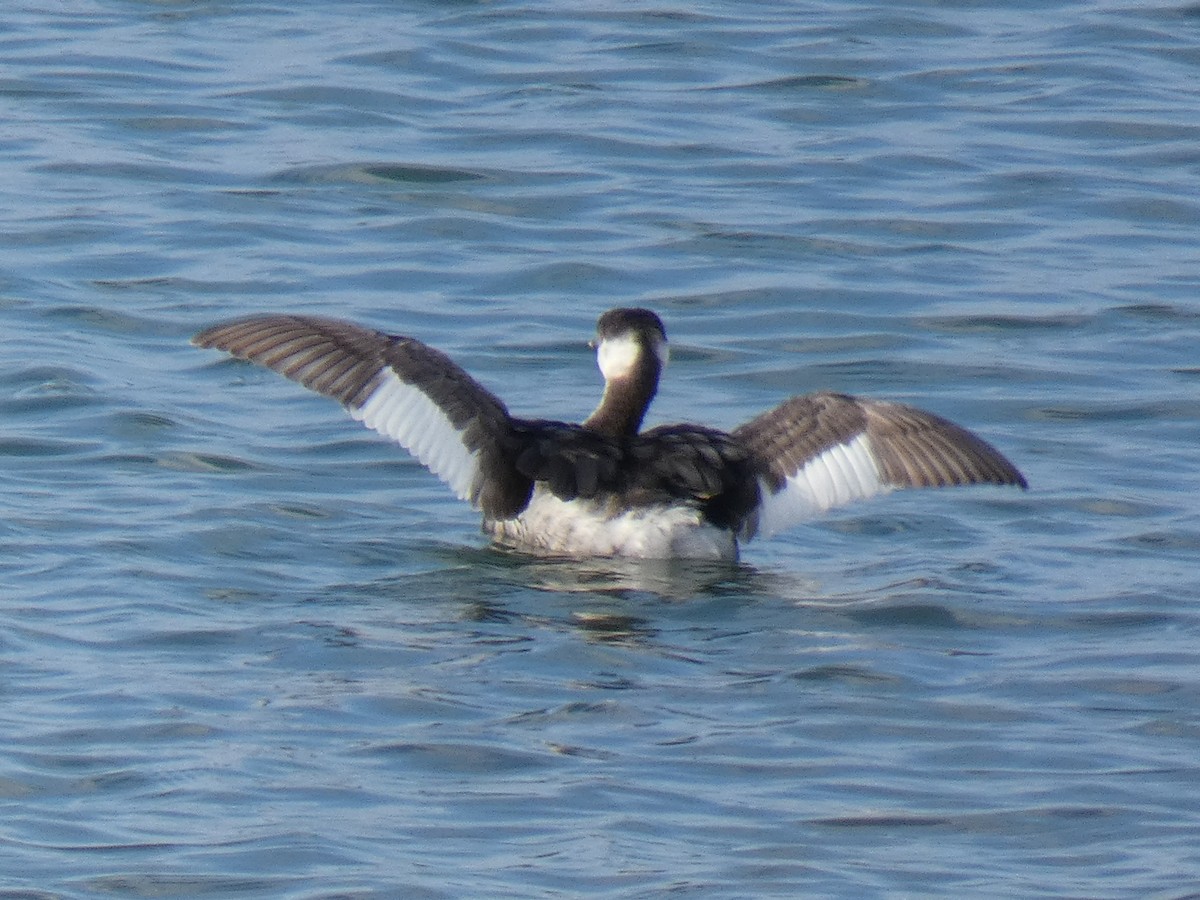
column 839, row 475
column 405, row 414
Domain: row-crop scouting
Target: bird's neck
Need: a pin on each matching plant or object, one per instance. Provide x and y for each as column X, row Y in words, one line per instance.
column 625, row 401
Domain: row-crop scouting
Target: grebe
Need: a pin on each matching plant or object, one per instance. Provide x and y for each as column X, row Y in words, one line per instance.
column 604, row 487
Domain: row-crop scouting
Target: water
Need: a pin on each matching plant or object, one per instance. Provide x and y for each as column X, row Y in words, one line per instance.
column 249, row 650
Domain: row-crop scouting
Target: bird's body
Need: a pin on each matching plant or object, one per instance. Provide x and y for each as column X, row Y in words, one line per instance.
column 605, row 487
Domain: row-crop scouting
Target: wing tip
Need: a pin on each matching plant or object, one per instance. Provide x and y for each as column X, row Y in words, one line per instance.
column 220, row 335
column 204, row 338
column 1013, row 477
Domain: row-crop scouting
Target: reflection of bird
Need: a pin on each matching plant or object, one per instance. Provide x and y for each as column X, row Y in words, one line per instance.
column 605, row 488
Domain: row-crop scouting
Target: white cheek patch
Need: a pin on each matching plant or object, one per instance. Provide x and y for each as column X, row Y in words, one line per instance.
column 838, row 475
column 617, row 356
column 405, row 414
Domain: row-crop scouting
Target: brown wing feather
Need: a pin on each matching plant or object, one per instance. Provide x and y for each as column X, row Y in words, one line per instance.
column 349, row 363
column 338, row 359
column 912, row 448
column 915, row 448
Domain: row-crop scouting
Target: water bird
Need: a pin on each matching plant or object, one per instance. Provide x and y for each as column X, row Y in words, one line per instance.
column 604, row 487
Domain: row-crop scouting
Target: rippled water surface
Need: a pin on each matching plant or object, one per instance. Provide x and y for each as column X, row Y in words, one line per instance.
column 247, row 649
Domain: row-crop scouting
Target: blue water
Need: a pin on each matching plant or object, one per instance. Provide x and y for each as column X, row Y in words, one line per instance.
column 247, row 649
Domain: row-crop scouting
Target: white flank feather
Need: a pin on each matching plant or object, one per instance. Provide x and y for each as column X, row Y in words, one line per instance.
column 405, row 414
column 839, row 475
column 553, row 527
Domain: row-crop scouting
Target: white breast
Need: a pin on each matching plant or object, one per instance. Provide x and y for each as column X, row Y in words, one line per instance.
column 553, row 527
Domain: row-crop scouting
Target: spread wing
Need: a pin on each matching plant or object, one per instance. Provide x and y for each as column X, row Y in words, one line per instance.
column 824, row 450
column 402, row 388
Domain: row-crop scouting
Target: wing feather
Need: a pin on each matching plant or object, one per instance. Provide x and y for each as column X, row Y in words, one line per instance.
column 823, row 450
column 398, row 386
